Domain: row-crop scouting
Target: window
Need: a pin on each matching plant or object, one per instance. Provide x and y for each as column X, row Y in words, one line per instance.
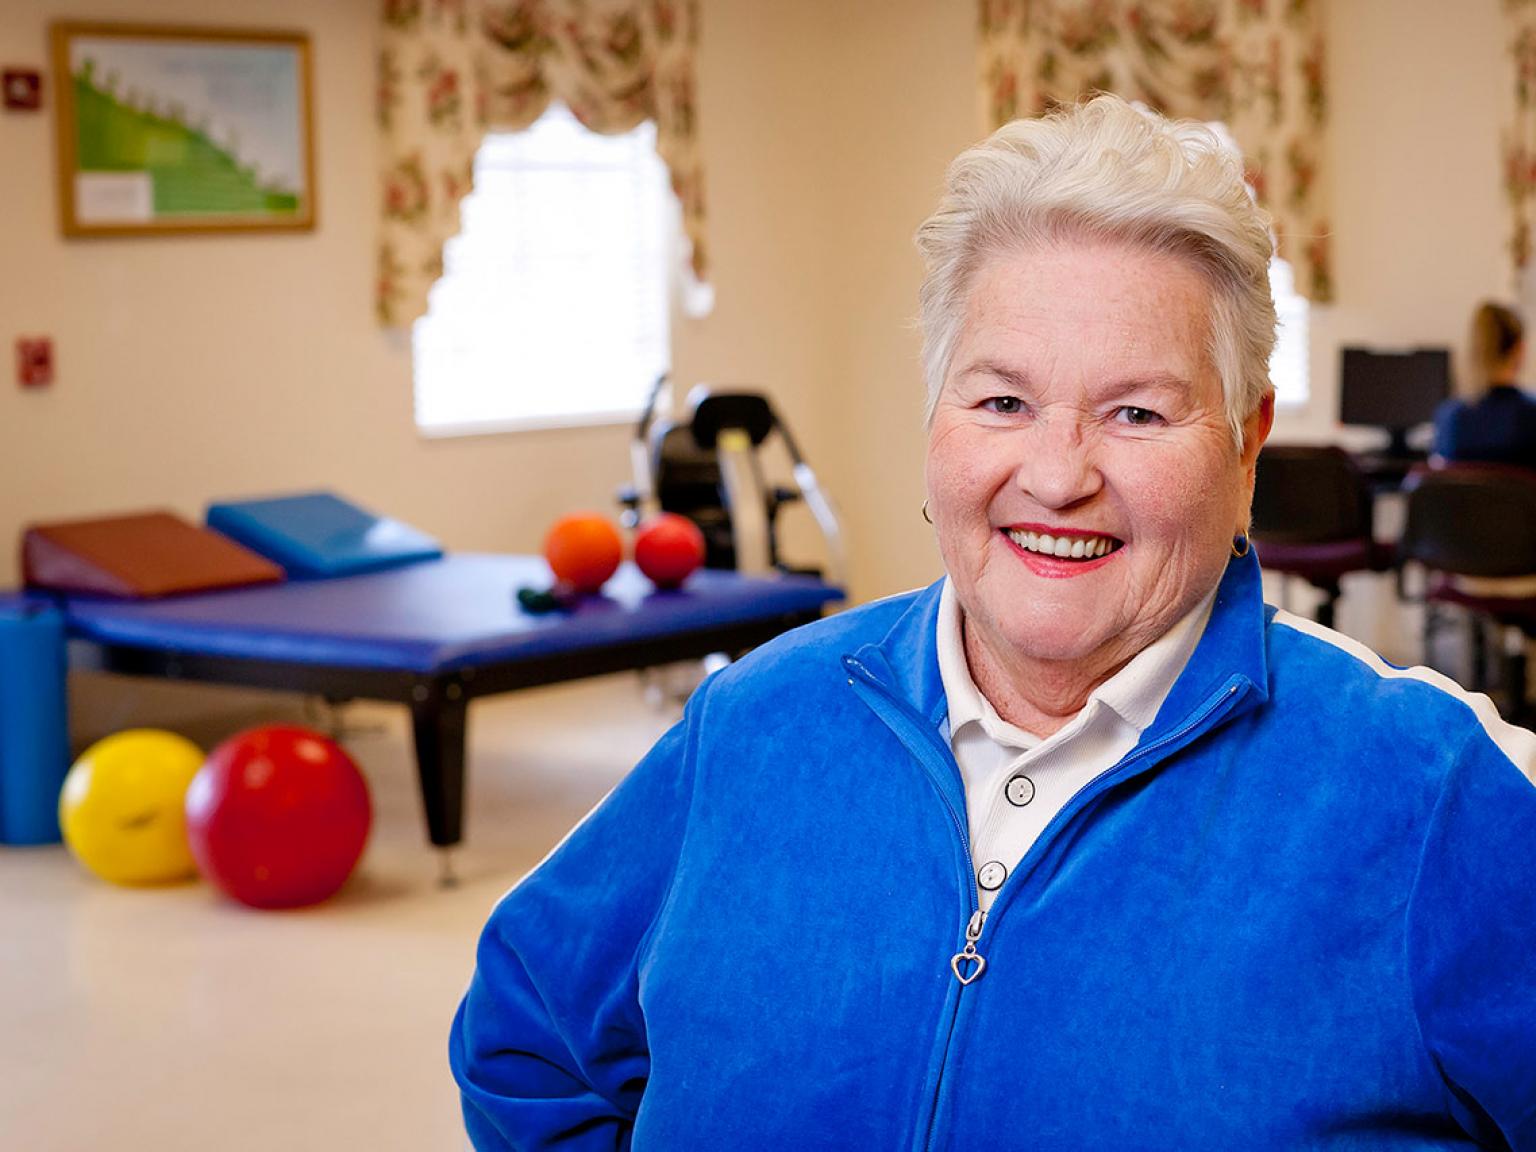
column 553, row 308
column 1288, row 367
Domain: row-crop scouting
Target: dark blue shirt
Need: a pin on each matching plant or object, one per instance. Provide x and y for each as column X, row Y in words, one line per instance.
column 1497, row 428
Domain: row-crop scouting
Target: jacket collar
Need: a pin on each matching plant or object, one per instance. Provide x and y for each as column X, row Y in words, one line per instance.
column 906, row 658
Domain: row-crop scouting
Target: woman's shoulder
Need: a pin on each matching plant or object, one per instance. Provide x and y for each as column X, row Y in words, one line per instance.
column 1416, row 715
column 804, row 667
column 843, row 632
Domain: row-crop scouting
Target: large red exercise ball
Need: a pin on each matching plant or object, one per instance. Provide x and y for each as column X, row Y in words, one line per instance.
column 583, row 550
column 121, row 807
column 668, row 548
column 278, row 816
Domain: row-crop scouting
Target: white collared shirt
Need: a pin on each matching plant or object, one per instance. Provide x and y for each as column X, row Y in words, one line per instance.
column 1015, row 782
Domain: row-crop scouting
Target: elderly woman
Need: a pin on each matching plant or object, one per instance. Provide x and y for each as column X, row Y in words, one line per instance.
column 1082, row 847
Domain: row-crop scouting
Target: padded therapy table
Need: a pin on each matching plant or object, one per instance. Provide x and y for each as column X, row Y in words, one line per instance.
column 434, row 636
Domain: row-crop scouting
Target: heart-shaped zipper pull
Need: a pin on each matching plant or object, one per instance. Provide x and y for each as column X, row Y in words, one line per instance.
column 968, row 964
column 977, row 964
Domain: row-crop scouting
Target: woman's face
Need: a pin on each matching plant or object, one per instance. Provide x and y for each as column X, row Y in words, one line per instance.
column 1082, row 411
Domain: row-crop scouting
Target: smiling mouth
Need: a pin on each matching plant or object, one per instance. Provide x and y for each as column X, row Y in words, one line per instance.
column 1065, row 547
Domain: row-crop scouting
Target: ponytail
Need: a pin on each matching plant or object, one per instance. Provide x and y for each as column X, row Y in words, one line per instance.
column 1496, row 332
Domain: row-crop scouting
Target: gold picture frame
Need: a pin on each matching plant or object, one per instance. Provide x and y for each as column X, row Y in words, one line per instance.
column 167, row 130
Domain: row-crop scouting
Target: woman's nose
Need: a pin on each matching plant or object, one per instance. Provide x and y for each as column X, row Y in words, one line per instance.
column 1060, row 465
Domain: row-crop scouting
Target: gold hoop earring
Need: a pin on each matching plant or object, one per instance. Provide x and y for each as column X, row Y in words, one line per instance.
column 1247, row 546
column 925, row 512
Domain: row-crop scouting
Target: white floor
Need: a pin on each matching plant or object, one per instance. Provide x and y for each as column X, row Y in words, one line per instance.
column 167, row 1019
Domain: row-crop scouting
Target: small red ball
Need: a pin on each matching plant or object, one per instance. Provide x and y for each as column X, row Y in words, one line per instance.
column 668, row 547
column 277, row 816
column 583, row 550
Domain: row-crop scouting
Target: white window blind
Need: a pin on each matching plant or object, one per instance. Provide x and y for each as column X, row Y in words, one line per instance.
column 1288, row 365
column 553, row 305
column 1289, row 369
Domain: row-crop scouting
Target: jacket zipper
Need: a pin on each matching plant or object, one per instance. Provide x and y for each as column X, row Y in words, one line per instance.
column 897, row 715
column 969, row 964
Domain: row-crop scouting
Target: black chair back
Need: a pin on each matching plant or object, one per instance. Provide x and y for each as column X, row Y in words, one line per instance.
column 1309, row 494
column 749, row 411
column 1471, row 520
column 685, row 465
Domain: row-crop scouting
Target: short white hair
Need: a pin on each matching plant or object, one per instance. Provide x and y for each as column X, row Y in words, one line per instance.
column 1107, row 170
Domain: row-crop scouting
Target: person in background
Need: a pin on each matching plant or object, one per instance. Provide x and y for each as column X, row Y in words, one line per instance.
column 1497, row 425
column 1082, row 847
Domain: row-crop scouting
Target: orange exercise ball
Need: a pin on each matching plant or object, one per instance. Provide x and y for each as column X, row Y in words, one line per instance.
column 583, row 550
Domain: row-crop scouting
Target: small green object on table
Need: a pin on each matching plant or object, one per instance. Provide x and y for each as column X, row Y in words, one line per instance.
column 538, row 601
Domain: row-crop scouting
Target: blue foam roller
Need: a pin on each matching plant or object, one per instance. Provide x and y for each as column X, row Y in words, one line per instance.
column 34, row 724
column 318, row 534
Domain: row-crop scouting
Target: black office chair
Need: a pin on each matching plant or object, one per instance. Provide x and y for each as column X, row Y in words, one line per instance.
column 1476, row 520
column 1312, row 518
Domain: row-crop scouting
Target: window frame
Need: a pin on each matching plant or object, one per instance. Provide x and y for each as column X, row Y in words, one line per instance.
column 678, row 297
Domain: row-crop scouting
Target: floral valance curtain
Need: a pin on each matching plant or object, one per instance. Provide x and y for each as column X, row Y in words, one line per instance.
column 1519, row 128
column 1254, row 65
column 449, row 71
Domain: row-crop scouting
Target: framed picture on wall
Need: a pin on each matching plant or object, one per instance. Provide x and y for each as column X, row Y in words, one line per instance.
column 170, row 130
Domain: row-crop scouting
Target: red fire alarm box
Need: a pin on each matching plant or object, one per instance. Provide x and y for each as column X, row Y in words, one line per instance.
column 34, row 361
column 22, row 88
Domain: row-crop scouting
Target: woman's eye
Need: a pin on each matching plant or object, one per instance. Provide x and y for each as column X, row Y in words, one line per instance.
column 1003, row 405
column 1137, row 417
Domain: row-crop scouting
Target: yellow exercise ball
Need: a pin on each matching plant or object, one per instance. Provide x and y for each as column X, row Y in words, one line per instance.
column 122, row 808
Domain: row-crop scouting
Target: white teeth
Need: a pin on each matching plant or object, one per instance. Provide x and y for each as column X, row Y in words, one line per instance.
column 1073, row 547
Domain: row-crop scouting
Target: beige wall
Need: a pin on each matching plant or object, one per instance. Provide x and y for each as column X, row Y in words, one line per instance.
column 196, row 368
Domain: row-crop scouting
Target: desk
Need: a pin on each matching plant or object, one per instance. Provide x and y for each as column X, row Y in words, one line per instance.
column 432, row 636
column 1384, row 473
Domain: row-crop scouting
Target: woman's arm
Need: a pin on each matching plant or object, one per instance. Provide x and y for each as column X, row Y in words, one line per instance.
column 549, row 1045
column 1471, row 945
column 1445, row 446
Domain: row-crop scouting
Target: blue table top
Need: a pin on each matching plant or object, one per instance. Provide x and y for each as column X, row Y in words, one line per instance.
column 457, row 611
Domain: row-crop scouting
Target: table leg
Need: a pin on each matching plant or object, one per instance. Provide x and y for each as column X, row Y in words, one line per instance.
column 439, row 717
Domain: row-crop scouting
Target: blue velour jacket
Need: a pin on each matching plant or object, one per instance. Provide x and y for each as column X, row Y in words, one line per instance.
column 1301, row 913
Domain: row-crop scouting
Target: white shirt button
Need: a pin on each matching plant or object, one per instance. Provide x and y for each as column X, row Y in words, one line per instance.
column 1020, row 790
column 991, row 875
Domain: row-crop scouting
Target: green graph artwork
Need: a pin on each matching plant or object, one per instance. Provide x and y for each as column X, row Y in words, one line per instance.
column 167, row 130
